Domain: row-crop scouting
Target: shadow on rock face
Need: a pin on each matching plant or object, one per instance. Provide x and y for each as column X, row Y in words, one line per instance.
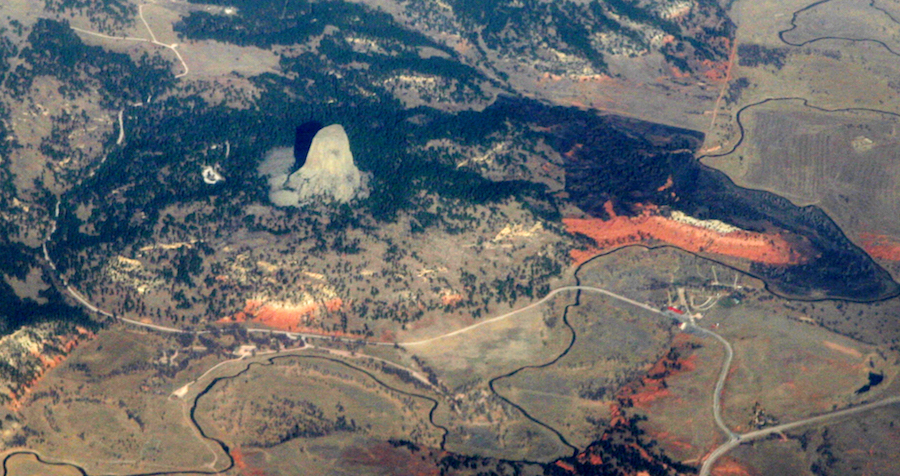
column 302, row 142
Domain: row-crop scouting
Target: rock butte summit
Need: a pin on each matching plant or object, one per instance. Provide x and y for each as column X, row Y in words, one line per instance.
column 329, row 171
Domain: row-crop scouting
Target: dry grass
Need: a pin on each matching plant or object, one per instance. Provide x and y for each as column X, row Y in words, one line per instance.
column 28, row 465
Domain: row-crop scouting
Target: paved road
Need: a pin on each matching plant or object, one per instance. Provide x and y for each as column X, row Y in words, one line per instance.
column 720, row 384
column 535, row 304
column 84, row 302
column 734, row 439
column 755, row 435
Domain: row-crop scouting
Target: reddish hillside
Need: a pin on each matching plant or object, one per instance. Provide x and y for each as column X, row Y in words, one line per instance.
column 642, row 392
column 287, row 318
column 880, row 246
column 621, row 231
column 50, row 354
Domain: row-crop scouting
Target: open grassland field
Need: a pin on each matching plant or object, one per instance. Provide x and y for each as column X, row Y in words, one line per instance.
column 496, row 347
column 654, row 276
column 830, row 75
column 842, row 161
column 107, row 406
column 462, row 365
column 360, row 456
column 668, row 276
column 613, row 344
column 312, row 406
column 29, row 465
column 675, row 399
column 791, row 369
column 336, row 411
column 864, row 445
column 874, row 21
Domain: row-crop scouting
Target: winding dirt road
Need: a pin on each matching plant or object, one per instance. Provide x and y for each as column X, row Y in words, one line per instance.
column 152, row 40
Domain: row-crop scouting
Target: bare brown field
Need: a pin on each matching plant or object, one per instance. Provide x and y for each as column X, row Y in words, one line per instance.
column 497, row 347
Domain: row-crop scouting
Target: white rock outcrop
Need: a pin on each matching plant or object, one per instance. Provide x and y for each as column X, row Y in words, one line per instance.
column 329, row 171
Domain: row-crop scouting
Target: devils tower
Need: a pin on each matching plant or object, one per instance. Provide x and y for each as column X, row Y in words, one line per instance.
column 327, row 173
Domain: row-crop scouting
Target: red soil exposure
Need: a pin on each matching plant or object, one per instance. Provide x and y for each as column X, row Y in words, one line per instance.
column 592, row 459
column 616, row 415
column 881, row 246
column 622, row 442
column 678, row 73
column 451, row 299
column 716, row 71
column 284, row 318
column 667, row 185
column 388, row 336
column 621, row 231
column 670, row 440
column 729, row 467
column 574, row 150
column 238, row 458
column 652, row 390
column 641, row 393
column 240, row 464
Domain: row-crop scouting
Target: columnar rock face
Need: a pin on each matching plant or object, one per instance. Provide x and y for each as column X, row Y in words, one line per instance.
column 329, row 168
column 328, row 172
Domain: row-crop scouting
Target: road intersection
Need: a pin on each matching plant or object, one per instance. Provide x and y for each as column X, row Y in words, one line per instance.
column 689, row 325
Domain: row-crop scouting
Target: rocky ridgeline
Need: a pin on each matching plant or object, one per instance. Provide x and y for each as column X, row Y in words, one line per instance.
column 28, row 353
